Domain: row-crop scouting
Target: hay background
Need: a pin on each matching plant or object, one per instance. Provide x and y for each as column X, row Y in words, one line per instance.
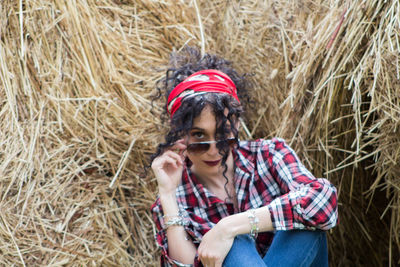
column 76, row 127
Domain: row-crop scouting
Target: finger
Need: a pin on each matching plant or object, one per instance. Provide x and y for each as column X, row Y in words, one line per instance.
column 171, row 161
column 174, row 155
column 170, row 152
column 157, row 162
column 160, row 160
column 181, row 141
column 210, row 263
column 207, row 261
column 178, row 147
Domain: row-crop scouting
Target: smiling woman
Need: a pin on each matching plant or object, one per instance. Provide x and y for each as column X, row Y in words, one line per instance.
column 225, row 202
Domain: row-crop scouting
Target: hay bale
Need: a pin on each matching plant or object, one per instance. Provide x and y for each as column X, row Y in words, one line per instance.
column 77, row 126
column 345, row 104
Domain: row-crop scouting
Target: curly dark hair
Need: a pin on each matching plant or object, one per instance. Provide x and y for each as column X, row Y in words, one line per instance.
column 184, row 64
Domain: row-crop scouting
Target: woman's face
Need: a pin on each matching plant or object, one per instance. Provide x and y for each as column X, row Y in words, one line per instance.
column 204, row 127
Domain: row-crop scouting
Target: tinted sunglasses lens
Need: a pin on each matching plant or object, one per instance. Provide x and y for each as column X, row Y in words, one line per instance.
column 227, row 142
column 232, row 141
column 198, row 147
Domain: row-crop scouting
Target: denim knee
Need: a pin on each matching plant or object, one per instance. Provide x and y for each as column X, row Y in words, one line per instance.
column 243, row 253
column 298, row 248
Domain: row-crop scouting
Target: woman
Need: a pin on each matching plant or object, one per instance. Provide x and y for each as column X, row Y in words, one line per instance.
column 228, row 203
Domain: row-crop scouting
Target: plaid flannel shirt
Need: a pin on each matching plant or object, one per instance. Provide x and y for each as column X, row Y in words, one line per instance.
column 267, row 173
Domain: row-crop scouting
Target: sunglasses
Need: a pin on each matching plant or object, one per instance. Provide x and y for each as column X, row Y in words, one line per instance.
column 201, row 147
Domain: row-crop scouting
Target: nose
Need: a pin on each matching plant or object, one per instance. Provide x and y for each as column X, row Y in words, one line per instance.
column 213, row 150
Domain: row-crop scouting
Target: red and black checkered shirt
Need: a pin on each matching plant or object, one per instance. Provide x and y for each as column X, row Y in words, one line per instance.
column 267, row 173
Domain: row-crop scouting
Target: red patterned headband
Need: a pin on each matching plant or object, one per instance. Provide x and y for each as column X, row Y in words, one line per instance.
column 199, row 83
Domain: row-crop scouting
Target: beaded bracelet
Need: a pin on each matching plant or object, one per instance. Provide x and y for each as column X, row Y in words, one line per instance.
column 251, row 214
column 174, row 220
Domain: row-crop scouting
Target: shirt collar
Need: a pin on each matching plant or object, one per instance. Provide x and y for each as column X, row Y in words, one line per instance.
column 192, row 193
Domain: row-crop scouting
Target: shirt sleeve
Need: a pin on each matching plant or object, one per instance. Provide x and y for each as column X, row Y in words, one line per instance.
column 161, row 237
column 305, row 202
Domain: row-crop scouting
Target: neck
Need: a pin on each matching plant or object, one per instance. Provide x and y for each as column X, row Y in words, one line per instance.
column 217, row 180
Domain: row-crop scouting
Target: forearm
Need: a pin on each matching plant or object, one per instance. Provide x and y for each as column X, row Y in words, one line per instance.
column 239, row 223
column 180, row 247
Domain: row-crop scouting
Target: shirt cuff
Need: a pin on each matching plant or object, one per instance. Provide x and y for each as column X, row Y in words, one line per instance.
column 281, row 213
column 164, row 251
column 177, row 263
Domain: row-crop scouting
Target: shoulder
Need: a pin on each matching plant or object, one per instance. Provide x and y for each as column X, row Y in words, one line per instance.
column 262, row 145
column 252, row 153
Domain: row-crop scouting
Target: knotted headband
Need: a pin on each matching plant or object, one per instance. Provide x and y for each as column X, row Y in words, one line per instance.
column 199, row 83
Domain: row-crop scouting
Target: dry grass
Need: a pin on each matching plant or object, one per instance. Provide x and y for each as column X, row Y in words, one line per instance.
column 76, row 127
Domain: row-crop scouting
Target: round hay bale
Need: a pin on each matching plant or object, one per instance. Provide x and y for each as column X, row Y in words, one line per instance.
column 77, row 123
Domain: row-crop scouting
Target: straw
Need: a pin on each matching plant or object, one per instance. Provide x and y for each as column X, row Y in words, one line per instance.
column 77, row 124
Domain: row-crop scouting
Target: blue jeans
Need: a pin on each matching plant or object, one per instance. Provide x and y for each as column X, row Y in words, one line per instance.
column 289, row 248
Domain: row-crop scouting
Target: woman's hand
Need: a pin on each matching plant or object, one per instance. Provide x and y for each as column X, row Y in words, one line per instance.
column 215, row 245
column 168, row 167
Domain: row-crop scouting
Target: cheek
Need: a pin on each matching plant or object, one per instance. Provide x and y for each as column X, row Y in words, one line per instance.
column 190, row 157
column 193, row 158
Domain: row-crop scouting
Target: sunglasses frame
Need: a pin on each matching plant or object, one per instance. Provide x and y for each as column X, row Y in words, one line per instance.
column 230, row 141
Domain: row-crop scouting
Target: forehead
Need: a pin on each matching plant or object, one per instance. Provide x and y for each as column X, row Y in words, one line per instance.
column 206, row 119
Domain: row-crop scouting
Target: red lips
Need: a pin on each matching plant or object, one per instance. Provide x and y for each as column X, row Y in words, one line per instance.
column 212, row 163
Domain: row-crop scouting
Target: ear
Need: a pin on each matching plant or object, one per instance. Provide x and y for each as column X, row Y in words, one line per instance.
column 237, row 124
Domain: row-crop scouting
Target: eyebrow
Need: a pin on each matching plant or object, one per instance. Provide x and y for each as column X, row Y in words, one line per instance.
column 197, row 129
